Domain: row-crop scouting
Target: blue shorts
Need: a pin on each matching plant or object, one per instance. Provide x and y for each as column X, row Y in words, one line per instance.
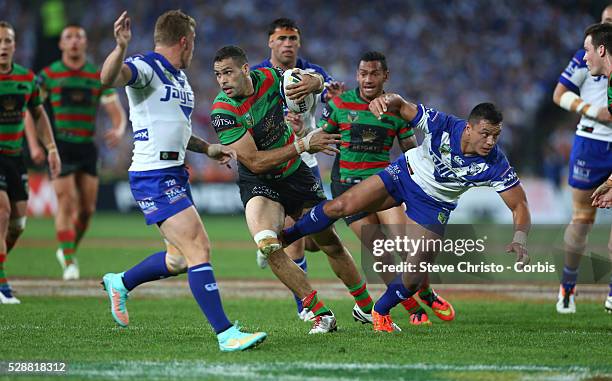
column 420, row 207
column 161, row 193
column 590, row 163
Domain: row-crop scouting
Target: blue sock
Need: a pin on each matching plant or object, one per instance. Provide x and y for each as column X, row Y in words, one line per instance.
column 312, row 222
column 568, row 280
column 396, row 293
column 304, row 266
column 204, row 289
column 152, row 268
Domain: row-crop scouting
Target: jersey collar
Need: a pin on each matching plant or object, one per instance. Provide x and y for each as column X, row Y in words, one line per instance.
column 167, row 65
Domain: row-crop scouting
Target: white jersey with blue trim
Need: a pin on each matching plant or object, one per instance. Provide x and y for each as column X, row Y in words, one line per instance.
column 593, row 89
column 441, row 169
column 161, row 102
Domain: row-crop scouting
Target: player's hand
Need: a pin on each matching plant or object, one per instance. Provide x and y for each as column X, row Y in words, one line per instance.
column 123, row 33
column 386, row 102
column 298, row 91
column 522, row 258
column 221, row 153
column 334, row 89
column 602, row 197
column 296, row 123
column 603, row 115
column 113, row 137
column 55, row 164
column 37, row 154
column 319, row 141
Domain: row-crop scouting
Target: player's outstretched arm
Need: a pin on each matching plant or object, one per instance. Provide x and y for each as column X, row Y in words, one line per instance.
column 114, row 72
column 215, row 151
column 45, row 134
column 114, row 109
column 393, row 103
column 260, row 162
column 602, row 197
column 310, row 83
column 570, row 101
column 516, row 200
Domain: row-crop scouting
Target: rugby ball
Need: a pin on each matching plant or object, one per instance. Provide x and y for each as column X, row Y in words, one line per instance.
column 290, row 77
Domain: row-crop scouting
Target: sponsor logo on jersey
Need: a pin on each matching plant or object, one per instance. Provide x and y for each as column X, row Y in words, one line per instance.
column 458, row 160
column 141, row 135
column 185, row 97
column 168, row 155
column 223, row 122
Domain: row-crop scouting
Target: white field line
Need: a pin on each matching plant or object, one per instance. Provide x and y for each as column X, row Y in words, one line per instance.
column 272, row 289
column 309, row 371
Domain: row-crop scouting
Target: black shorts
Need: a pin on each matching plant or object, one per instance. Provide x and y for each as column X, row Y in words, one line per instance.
column 78, row 157
column 299, row 190
column 337, row 188
column 14, row 177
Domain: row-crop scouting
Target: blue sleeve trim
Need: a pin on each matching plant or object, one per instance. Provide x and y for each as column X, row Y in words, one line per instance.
column 134, row 71
column 569, row 84
column 418, row 116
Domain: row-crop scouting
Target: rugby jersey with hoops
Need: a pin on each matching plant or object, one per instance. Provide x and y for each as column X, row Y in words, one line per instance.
column 18, row 91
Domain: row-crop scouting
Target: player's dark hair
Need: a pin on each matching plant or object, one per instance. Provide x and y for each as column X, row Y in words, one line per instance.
column 231, row 51
column 171, row 26
column 74, row 25
column 375, row 56
column 282, row 23
column 486, row 111
column 7, row 25
column 601, row 34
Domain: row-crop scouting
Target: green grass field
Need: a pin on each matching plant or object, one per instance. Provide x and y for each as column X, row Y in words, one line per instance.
column 493, row 338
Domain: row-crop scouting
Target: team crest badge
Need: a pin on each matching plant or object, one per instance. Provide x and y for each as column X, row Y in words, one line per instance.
column 442, row 217
column 249, row 119
column 353, row 116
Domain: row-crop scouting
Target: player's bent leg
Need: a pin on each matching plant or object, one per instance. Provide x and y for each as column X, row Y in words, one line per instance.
column 369, row 195
column 65, row 190
column 265, row 218
column 87, row 186
column 574, row 244
column 6, row 295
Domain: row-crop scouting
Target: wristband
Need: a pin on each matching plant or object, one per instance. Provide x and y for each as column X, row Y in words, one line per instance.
column 299, row 146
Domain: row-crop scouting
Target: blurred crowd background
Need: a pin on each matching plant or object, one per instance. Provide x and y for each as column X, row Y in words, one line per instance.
column 449, row 55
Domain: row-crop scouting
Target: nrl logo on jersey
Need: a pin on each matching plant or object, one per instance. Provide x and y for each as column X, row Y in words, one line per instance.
column 352, row 116
column 445, row 149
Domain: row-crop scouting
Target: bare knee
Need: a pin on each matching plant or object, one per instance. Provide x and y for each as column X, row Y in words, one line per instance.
column 176, row 263
column 16, row 226
column 338, row 208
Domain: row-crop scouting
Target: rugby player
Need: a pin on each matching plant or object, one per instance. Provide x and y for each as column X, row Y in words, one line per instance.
column 284, row 41
column 161, row 102
column 274, row 182
column 598, row 56
column 18, row 93
column 72, row 85
column 364, row 151
column 590, row 160
column 455, row 156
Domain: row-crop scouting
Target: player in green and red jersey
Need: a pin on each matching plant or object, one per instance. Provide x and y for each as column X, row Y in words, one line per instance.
column 73, row 88
column 18, row 93
column 274, row 182
column 364, row 151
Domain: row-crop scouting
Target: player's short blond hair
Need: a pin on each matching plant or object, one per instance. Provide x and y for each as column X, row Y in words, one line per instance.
column 7, row 25
column 171, row 26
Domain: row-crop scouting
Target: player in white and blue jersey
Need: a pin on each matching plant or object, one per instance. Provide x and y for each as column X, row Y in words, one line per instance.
column 161, row 102
column 590, row 160
column 284, row 41
column 454, row 156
